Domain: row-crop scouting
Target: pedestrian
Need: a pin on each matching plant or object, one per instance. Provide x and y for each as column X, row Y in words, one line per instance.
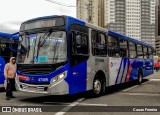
column 156, row 65
column 10, row 74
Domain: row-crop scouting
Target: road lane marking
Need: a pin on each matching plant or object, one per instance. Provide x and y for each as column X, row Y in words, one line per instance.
column 64, row 110
column 154, row 79
column 139, row 85
column 146, row 82
column 130, row 88
column 141, row 94
column 57, row 103
column 89, row 104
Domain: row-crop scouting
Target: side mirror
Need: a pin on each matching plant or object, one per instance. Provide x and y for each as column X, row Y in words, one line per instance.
column 20, row 39
column 13, row 36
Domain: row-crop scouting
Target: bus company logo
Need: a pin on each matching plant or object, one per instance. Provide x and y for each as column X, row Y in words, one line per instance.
column 111, row 64
column 6, row 109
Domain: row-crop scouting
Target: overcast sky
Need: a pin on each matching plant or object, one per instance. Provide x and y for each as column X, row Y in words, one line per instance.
column 14, row 12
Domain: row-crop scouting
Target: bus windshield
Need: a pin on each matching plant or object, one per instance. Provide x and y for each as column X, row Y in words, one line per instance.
column 42, row 48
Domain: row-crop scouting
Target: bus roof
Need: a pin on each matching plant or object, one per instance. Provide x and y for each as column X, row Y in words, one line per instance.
column 68, row 17
column 7, row 35
column 128, row 38
column 109, row 31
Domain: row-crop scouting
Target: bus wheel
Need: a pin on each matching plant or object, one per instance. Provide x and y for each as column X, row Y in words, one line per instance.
column 97, row 87
column 140, row 78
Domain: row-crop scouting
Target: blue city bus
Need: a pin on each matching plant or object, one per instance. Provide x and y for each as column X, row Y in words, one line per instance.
column 8, row 48
column 62, row 55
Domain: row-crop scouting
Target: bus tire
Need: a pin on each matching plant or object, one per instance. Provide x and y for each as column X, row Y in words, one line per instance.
column 97, row 87
column 140, row 78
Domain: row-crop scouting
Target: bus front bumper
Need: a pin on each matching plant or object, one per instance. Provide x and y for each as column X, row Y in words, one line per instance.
column 60, row 88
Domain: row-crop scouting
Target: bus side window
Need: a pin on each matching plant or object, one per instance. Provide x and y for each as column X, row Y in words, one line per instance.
column 113, row 46
column 132, row 50
column 99, row 43
column 150, row 53
column 139, row 51
column 123, row 48
column 145, row 50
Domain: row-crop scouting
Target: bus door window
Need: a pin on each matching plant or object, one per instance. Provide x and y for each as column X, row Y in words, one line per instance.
column 80, row 48
column 99, row 43
column 139, row 51
column 123, row 48
column 79, row 44
column 132, row 50
column 113, row 46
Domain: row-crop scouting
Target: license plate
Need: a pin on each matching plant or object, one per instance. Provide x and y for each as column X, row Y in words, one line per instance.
column 32, row 88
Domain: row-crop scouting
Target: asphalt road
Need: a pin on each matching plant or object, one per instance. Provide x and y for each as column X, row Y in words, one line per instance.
column 130, row 94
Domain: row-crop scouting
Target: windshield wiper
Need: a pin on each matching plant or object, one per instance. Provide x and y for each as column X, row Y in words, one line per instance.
column 41, row 42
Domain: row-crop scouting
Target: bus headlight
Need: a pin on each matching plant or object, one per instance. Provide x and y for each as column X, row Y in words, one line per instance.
column 59, row 77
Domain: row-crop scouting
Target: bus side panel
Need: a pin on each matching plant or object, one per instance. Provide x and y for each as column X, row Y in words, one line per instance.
column 115, row 70
column 78, row 76
column 123, row 70
column 2, row 64
column 95, row 65
column 134, row 65
column 2, row 78
column 126, row 63
column 148, row 68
